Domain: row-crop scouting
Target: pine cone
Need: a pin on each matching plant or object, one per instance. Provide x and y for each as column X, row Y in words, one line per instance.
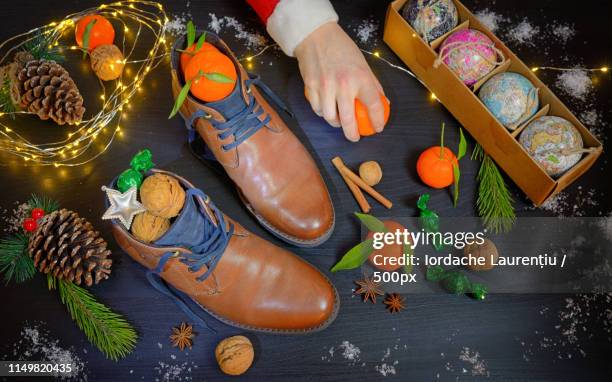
column 66, row 246
column 46, row 89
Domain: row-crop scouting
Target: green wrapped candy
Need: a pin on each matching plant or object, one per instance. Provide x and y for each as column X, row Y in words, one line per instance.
column 128, row 179
column 456, row 282
column 479, row 291
column 435, row 273
column 142, row 161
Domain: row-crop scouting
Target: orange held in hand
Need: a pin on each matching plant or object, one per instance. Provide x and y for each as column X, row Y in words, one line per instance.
column 212, row 75
column 191, row 51
column 435, row 167
column 363, row 120
column 100, row 32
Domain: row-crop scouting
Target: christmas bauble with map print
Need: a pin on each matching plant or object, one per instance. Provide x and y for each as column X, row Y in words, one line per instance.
column 554, row 143
column 431, row 18
column 470, row 54
column 510, row 97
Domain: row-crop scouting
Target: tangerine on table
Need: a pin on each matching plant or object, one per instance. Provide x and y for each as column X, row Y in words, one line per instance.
column 394, row 250
column 435, row 167
column 186, row 57
column 210, row 62
column 363, row 119
column 101, row 32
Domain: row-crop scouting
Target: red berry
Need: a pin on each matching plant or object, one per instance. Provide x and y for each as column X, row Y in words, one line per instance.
column 29, row 224
column 38, row 213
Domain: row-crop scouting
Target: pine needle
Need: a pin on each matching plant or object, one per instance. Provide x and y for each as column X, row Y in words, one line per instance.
column 15, row 264
column 42, row 49
column 6, row 101
column 46, row 204
column 495, row 203
column 105, row 329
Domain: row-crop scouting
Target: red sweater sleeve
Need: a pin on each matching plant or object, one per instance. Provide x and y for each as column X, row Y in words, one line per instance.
column 264, row 8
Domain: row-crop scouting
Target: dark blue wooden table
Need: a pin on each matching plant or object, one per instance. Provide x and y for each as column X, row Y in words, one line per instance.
column 423, row 342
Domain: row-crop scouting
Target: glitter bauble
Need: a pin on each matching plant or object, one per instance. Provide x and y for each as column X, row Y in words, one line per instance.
column 470, row 54
column 510, row 97
column 553, row 142
column 431, row 18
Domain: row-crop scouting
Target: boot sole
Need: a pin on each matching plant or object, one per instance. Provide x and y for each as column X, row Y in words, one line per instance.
column 267, row 225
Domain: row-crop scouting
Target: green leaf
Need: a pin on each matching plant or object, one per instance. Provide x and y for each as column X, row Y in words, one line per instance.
column 201, row 41
column 553, row 158
column 456, row 176
column 371, row 223
column 191, row 33
column 180, row 99
column 15, row 264
column 219, row 77
column 105, row 329
column 86, row 35
column 355, row 256
column 462, row 145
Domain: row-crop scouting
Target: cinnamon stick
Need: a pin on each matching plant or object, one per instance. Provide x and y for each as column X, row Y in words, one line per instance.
column 359, row 182
column 361, row 200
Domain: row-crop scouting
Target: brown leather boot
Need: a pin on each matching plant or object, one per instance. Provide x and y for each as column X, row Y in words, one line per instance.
column 276, row 177
column 235, row 276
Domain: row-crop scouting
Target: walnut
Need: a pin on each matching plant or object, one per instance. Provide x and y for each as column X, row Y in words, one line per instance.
column 107, row 62
column 370, row 172
column 486, row 250
column 235, row 355
column 162, row 195
column 148, row 227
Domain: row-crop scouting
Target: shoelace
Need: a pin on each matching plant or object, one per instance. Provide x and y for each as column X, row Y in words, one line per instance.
column 244, row 124
column 208, row 251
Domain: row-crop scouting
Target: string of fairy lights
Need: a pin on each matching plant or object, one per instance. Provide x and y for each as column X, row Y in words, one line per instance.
column 136, row 18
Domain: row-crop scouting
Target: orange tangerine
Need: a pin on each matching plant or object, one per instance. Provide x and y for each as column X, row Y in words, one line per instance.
column 213, row 75
column 101, row 32
column 363, row 119
column 435, row 167
column 186, row 56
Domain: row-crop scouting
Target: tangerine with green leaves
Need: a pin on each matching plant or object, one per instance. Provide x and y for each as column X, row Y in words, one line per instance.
column 212, row 76
column 101, row 31
column 191, row 51
column 363, row 119
column 435, row 167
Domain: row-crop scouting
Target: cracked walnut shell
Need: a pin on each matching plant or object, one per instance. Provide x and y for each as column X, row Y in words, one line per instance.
column 148, row 227
column 107, row 62
column 235, row 355
column 162, row 195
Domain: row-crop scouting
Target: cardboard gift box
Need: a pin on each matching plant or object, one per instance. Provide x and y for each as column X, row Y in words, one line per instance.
column 462, row 101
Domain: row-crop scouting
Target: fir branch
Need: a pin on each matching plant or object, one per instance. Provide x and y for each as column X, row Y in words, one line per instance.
column 42, row 49
column 6, row 101
column 15, row 264
column 495, row 203
column 46, row 204
column 105, row 329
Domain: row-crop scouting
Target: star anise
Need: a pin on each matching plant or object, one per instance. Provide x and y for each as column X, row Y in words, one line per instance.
column 369, row 289
column 394, row 302
column 182, row 336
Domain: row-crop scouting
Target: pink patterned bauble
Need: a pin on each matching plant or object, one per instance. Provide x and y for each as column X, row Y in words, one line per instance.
column 470, row 54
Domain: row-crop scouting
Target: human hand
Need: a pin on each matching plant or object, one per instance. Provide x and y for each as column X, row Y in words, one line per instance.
column 335, row 73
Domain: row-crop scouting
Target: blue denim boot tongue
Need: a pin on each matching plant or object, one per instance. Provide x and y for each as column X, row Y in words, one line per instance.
column 186, row 231
column 232, row 104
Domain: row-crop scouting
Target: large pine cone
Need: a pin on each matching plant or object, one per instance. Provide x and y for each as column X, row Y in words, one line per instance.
column 66, row 246
column 46, row 89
